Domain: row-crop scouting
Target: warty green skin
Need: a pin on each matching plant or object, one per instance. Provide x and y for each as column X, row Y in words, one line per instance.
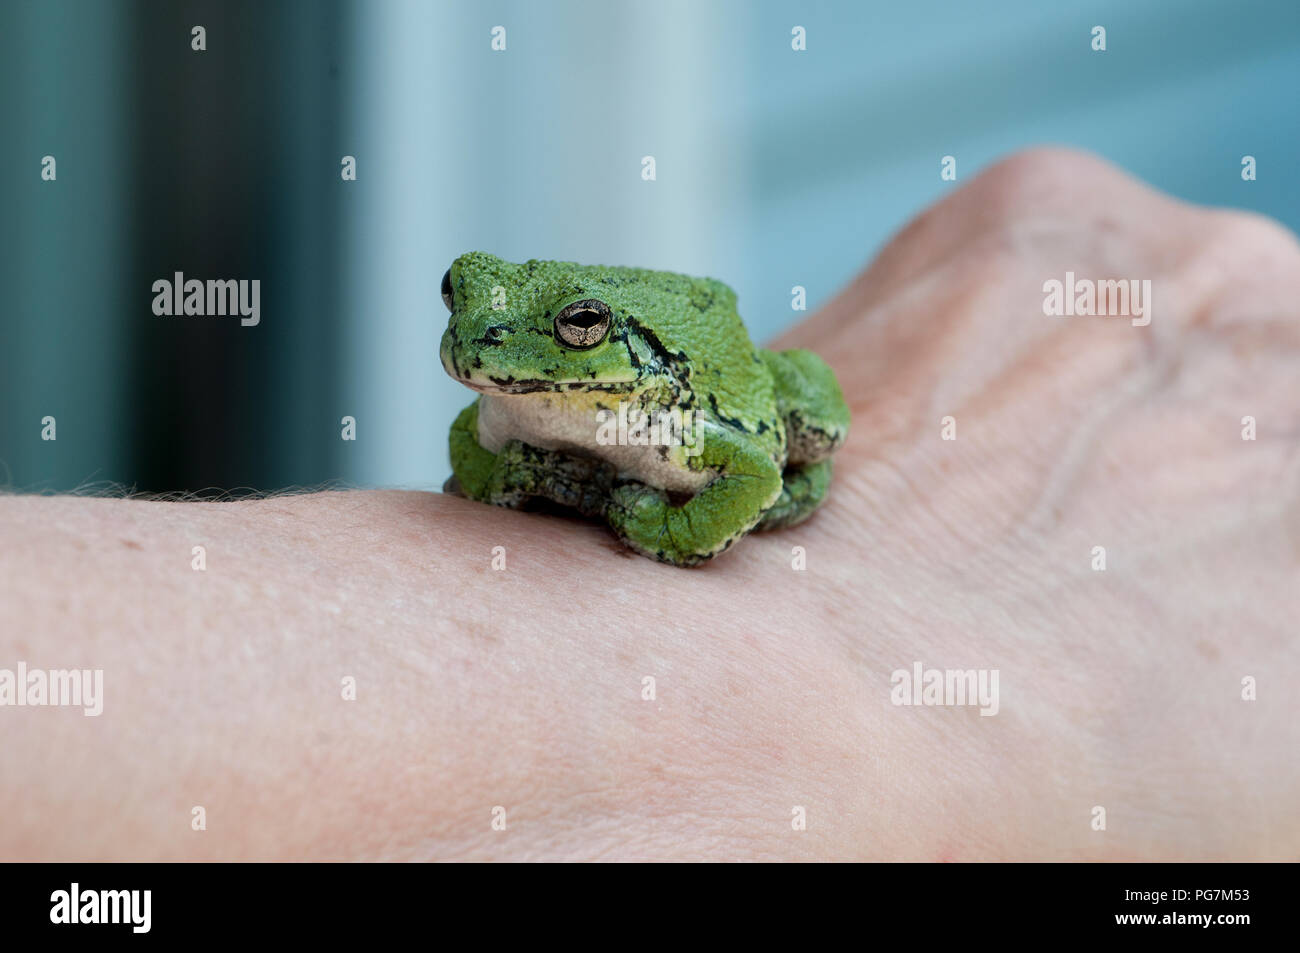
column 770, row 421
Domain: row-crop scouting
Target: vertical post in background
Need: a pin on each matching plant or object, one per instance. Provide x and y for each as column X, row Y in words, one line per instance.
column 234, row 176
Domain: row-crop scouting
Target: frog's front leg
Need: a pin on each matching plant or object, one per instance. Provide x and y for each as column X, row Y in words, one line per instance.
column 520, row 472
column 748, row 481
column 471, row 464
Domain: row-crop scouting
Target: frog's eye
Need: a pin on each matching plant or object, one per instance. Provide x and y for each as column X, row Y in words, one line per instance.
column 446, row 289
column 583, row 324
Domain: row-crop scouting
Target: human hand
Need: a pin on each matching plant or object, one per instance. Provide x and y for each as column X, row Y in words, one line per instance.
column 524, row 688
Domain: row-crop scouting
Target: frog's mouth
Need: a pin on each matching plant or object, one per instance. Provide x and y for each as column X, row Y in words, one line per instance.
column 484, row 381
column 511, row 385
column 480, row 377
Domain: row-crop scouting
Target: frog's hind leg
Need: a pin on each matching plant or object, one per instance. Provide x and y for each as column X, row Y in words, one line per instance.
column 816, row 418
column 803, row 489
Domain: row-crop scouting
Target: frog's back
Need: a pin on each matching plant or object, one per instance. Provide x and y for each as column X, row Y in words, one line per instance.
column 696, row 321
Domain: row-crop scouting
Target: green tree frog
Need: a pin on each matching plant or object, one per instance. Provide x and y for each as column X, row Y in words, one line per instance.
column 635, row 397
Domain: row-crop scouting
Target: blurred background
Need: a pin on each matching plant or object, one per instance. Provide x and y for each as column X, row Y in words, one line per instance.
column 774, row 168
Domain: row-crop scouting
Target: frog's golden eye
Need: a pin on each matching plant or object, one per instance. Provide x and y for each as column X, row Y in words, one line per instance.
column 446, row 289
column 583, row 324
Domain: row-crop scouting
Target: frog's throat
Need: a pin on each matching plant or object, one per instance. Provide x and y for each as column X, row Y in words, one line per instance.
column 509, row 385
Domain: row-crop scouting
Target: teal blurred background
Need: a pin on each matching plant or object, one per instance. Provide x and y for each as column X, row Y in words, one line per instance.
column 775, row 168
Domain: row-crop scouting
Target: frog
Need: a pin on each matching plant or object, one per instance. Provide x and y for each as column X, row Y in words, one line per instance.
column 556, row 351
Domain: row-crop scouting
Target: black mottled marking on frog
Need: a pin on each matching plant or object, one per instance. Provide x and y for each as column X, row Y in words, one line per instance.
column 798, row 423
column 729, row 421
column 546, row 332
column 522, row 386
column 620, row 336
column 631, row 353
column 492, row 336
column 666, row 358
column 615, row 388
column 702, row 301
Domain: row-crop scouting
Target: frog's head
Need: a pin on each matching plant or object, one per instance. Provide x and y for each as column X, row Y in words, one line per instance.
column 546, row 326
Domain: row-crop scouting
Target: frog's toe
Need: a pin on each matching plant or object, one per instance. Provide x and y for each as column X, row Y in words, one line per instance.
column 803, row 490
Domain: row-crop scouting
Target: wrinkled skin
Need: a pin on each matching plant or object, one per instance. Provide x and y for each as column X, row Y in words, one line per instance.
column 523, row 688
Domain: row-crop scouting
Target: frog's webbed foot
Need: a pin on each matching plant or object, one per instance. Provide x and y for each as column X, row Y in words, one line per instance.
column 803, row 489
column 523, row 472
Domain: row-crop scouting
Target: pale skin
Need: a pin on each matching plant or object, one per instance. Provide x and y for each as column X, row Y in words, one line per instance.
column 523, row 688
